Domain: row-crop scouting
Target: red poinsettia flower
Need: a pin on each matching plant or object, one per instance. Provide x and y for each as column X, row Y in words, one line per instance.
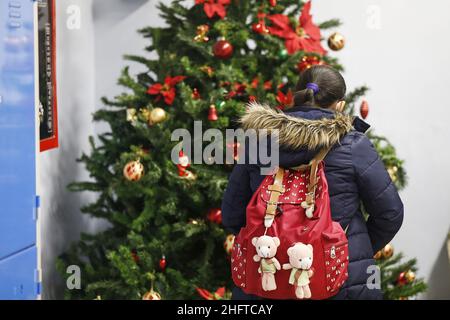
column 205, row 294
column 285, row 100
column 305, row 36
column 213, row 7
column 166, row 90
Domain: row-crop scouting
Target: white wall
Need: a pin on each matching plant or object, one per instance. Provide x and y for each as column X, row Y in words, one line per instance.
column 405, row 62
column 116, row 25
column 89, row 61
column 61, row 218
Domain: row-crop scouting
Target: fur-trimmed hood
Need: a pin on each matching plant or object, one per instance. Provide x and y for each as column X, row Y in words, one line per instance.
column 295, row 133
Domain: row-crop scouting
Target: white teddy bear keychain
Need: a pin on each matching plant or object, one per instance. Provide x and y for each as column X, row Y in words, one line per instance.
column 266, row 249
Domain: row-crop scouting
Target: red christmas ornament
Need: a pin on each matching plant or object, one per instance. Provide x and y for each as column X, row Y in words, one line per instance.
column 307, row 62
column 195, row 94
column 305, row 36
column 183, row 164
column 273, row 3
column 223, row 49
column 267, row 85
column 364, row 109
column 135, row 256
column 212, row 114
column 215, row 215
column 163, row 263
column 260, row 27
column 133, row 170
column 402, row 279
column 255, row 82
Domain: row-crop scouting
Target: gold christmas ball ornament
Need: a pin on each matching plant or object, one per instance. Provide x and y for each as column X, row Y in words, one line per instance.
column 378, row 255
column 228, row 244
column 189, row 176
column 410, row 276
column 156, row 116
column 336, row 41
column 133, row 171
column 145, row 114
column 387, row 251
column 152, row 295
column 393, row 172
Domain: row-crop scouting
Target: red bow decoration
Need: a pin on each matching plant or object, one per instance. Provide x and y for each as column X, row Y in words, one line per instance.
column 166, row 90
column 285, row 100
column 213, row 7
column 306, row 36
column 205, row 294
column 239, row 89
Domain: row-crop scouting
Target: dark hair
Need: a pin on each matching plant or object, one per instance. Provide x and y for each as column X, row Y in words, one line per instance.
column 331, row 87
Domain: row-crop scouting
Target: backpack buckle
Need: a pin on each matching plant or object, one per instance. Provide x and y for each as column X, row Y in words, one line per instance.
column 276, row 188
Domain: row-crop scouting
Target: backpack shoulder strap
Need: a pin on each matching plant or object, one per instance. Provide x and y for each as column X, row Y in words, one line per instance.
column 314, row 165
column 276, row 189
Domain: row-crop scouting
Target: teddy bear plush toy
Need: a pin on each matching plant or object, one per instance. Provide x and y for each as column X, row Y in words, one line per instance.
column 266, row 249
column 300, row 261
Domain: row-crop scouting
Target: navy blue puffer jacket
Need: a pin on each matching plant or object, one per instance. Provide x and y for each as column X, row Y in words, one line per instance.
column 356, row 175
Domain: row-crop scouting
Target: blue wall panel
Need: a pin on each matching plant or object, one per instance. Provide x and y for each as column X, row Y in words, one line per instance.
column 17, row 147
column 18, row 276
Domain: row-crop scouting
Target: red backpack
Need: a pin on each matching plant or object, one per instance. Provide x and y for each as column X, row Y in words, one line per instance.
column 290, row 247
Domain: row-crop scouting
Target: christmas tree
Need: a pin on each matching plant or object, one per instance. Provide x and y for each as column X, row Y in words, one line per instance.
column 165, row 239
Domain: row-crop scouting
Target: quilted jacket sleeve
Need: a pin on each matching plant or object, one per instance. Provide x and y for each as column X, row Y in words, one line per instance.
column 378, row 193
column 236, row 198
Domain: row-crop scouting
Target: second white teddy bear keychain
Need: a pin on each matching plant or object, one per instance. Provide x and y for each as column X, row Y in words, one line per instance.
column 300, row 261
